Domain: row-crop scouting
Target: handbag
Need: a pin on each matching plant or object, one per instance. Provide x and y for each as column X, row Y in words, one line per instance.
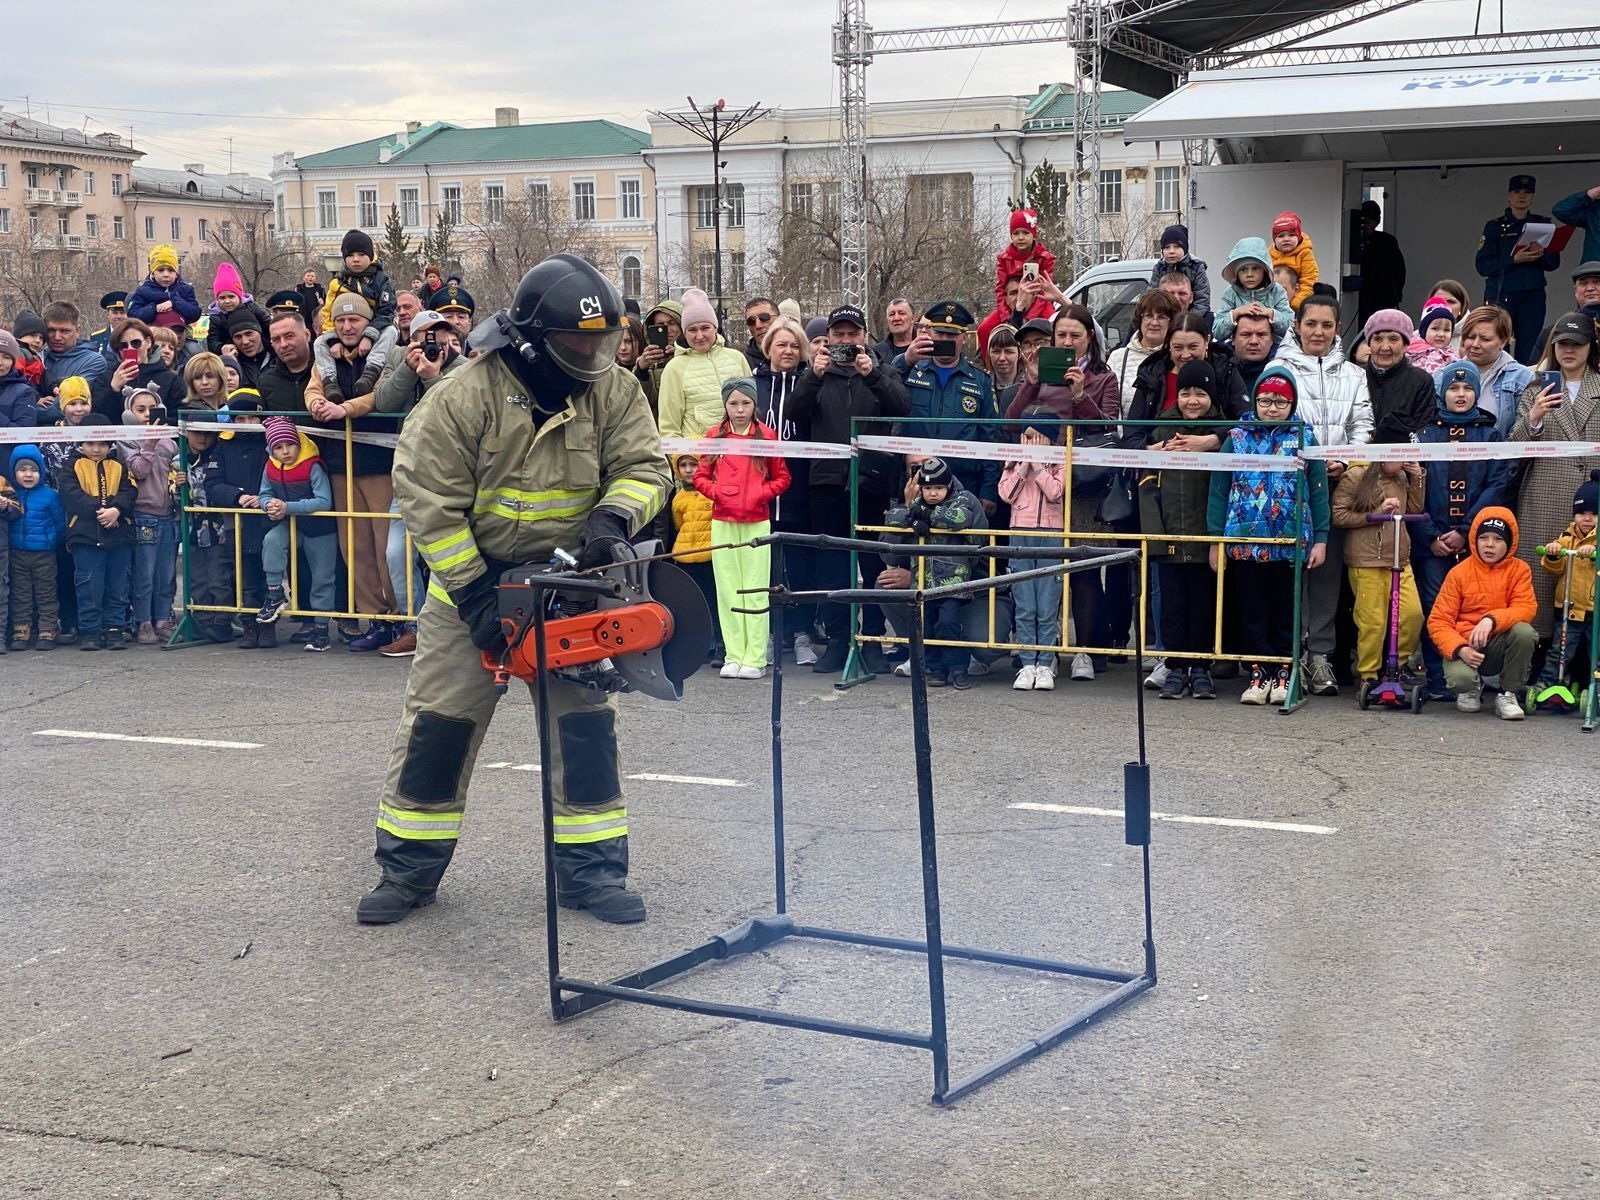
column 1093, row 480
column 1119, row 506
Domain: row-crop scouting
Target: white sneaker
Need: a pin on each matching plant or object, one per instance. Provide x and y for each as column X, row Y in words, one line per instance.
column 1278, row 693
column 1470, row 702
column 1157, row 677
column 1507, row 707
column 903, row 669
column 1082, row 667
column 1044, row 679
column 1258, row 691
column 976, row 666
column 1024, row 680
column 730, row 670
column 751, row 673
column 804, row 654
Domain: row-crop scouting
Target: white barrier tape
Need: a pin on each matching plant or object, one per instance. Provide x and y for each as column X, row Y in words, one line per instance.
column 1452, row 451
column 1088, row 456
column 371, row 439
column 755, row 448
column 40, row 434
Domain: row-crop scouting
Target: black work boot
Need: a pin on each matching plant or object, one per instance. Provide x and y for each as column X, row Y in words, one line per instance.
column 411, row 874
column 593, row 875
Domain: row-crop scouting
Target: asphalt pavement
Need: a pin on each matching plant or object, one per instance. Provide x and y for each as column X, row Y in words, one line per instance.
column 1377, row 954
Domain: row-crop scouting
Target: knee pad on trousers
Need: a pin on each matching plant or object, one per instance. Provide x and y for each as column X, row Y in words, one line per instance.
column 589, row 772
column 435, row 756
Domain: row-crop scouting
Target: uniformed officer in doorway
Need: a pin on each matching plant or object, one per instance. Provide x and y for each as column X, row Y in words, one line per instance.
column 1514, row 273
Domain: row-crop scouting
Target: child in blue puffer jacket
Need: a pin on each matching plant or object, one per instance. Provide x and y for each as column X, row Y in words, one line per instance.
column 165, row 299
column 37, row 524
column 1262, row 504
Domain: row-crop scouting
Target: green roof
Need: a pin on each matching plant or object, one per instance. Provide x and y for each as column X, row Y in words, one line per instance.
column 1056, row 106
column 442, row 142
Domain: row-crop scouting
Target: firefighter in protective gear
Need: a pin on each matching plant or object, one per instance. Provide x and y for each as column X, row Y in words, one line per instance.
column 539, row 443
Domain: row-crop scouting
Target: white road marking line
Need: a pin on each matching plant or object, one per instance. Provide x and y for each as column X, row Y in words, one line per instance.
column 1084, row 810
column 700, row 779
column 204, row 743
column 643, row 777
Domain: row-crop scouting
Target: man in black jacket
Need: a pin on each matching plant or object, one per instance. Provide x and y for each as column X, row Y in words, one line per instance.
column 1383, row 266
column 1253, row 347
column 831, row 391
column 283, row 384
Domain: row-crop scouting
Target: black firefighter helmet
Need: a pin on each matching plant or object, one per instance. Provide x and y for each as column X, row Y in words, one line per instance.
column 565, row 307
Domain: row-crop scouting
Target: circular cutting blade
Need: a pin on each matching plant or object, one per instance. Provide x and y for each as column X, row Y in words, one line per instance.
column 674, row 590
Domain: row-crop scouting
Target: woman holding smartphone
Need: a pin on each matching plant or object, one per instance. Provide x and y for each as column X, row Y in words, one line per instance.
column 138, row 363
column 1562, row 404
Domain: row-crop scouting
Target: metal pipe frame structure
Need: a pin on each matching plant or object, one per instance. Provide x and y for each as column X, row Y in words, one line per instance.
column 571, row 996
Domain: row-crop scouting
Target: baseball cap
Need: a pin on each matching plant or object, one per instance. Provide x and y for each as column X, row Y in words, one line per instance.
column 426, row 319
column 849, row 314
column 1574, row 327
column 1036, row 325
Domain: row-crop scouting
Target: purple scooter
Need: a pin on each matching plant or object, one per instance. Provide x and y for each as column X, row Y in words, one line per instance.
column 1390, row 690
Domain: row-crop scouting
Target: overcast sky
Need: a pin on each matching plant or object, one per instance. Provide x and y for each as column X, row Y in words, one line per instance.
column 311, row 76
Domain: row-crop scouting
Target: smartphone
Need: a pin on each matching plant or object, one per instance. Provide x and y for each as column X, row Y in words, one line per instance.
column 656, row 335
column 1055, row 362
column 944, row 348
column 130, row 355
column 1550, row 379
column 843, row 354
column 1030, row 270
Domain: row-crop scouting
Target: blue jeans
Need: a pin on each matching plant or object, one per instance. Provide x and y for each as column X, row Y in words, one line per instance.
column 155, row 567
column 396, row 556
column 100, row 576
column 1577, row 636
column 1038, row 604
column 1430, row 570
column 321, row 551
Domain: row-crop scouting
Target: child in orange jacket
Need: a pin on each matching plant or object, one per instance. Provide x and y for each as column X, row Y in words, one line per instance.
column 1292, row 248
column 1481, row 620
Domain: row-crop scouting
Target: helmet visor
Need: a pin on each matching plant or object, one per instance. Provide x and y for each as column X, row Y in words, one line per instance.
column 581, row 354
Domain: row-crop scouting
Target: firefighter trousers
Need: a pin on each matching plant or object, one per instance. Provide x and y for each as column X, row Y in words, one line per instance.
column 449, row 702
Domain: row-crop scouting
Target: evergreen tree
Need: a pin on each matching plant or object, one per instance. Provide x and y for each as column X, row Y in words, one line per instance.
column 1048, row 192
column 395, row 249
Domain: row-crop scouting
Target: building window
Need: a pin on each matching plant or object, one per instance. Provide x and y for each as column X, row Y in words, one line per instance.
column 149, row 229
column 91, row 224
column 494, row 203
column 63, row 224
column 630, row 193
column 705, row 207
column 539, row 200
column 1109, row 191
column 830, row 201
column 227, row 229
column 116, row 185
column 450, row 202
column 800, row 199
column 33, row 225
column 204, row 230
column 367, row 207
column 61, row 179
column 88, row 183
column 327, row 208
column 736, row 272
column 1110, row 251
column 282, row 205
column 632, row 276
column 733, row 205
column 5, row 175
column 942, row 197
column 1167, row 190
column 706, row 271
column 177, row 228
column 5, row 220
column 119, row 227
column 583, row 199
column 30, row 177
column 409, row 210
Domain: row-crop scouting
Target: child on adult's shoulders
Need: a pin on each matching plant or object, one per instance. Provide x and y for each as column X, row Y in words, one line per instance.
column 1175, row 256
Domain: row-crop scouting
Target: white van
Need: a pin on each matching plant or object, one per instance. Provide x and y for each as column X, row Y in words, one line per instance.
column 1110, row 291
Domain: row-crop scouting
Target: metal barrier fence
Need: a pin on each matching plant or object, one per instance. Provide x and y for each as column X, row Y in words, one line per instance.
column 345, row 513
column 1071, row 454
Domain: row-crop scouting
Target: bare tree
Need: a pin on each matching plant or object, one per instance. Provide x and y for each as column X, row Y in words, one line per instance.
column 267, row 261
column 926, row 238
column 509, row 237
column 1134, row 228
column 35, row 270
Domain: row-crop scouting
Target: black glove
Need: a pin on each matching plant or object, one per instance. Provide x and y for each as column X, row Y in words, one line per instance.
column 920, row 517
column 603, row 532
column 478, row 604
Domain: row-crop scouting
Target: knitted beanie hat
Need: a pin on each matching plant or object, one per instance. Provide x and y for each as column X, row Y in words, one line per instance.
column 1024, row 218
column 1389, row 320
column 697, row 308
column 356, row 241
column 1287, row 222
column 1436, row 309
column 280, row 431
column 1587, row 497
column 227, row 280
column 1460, row 371
column 1175, row 235
column 163, row 255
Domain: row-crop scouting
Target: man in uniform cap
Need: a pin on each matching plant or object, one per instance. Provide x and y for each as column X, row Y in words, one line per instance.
column 287, row 300
column 942, row 384
column 456, row 303
column 1514, row 271
column 115, row 305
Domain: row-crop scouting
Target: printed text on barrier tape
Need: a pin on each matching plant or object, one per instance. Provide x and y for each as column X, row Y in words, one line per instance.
column 1088, row 456
column 39, row 434
column 755, row 448
column 1452, row 452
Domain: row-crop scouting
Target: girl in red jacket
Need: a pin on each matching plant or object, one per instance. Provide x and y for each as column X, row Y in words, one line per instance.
column 741, row 488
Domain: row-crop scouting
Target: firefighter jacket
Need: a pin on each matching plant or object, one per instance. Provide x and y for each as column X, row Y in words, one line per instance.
column 481, row 487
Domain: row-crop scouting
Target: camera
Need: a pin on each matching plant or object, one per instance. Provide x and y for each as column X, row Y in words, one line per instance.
column 843, row 354
column 430, row 347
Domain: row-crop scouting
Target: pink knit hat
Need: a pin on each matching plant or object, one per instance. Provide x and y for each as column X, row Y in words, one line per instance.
column 227, row 280
column 696, row 307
